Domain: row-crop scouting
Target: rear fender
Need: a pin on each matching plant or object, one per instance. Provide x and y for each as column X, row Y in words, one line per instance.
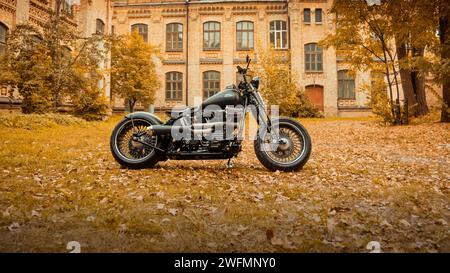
column 153, row 119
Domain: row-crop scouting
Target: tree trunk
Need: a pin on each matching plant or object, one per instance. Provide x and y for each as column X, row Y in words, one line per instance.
column 406, row 80
column 419, row 87
column 418, row 80
column 131, row 104
column 444, row 32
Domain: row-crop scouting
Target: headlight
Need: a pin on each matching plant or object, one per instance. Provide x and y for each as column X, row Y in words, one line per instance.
column 255, row 82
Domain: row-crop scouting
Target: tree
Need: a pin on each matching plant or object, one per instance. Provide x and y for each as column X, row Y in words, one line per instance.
column 53, row 64
column 26, row 66
column 386, row 36
column 279, row 86
column 428, row 18
column 133, row 71
column 443, row 69
column 364, row 39
column 410, row 23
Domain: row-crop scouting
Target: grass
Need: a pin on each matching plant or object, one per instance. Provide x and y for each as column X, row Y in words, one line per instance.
column 364, row 182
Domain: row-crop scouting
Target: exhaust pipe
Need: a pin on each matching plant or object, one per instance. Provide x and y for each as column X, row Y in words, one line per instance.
column 167, row 130
column 197, row 128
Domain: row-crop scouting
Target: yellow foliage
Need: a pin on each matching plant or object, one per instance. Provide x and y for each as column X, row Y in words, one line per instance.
column 133, row 71
column 279, row 86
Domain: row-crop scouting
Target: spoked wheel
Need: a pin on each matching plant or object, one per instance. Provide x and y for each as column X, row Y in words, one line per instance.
column 289, row 152
column 132, row 146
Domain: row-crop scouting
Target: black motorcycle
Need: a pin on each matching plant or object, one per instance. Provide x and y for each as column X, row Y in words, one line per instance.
column 213, row 130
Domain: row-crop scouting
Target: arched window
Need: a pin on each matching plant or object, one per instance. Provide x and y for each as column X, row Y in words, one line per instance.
column 174, row 37
column 244, row 35
column 278, row 34
column 142, row 29
column 313, row 58
column 211, row 36
column 174, row 86
column 3, row 34
column 211, row 83
column 99, row 26
column 346, row 85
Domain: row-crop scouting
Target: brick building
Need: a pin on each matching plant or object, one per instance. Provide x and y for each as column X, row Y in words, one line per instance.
column 203, row 41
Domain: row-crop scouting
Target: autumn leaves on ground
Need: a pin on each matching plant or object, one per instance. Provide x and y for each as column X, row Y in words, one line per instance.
column 364, row 182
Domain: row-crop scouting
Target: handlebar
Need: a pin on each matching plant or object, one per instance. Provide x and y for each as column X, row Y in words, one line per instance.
column 244, row 70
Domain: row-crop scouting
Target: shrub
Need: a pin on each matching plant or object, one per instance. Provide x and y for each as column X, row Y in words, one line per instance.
column 91, row 105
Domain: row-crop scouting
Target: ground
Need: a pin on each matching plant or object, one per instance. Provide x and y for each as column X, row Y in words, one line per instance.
column 364, row 182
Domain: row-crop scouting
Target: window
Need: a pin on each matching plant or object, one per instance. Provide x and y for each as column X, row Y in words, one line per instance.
column 99, row 27
column 113, row 31
column 211, row 36
column 318, row 16
column 278, row 34
column 313, row 58
column 244, row 35
column 3, row 34
column 174, row 86
column 307, row 16
column 211, row 83
column 142, row 29
column 174, row 37
column 346, row 86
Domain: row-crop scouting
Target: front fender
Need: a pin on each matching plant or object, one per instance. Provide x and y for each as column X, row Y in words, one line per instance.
column 145, row 115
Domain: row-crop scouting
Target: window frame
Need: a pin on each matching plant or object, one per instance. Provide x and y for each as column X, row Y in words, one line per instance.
column 311, row 58
column 174, row 79
column 282, row 32
column 249, row 32
column 346, row 82
column 99, row 22
column 4, row 43
column 321, row 16
column 212, row 34
column 173, row 38
column 309, row 16
column 211, row 83
column 136, row 26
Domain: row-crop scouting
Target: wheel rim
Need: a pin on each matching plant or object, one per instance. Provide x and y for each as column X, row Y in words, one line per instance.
column 291, row 145
column 129, row 140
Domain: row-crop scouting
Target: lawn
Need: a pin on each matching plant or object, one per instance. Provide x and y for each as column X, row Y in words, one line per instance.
column 364, row 182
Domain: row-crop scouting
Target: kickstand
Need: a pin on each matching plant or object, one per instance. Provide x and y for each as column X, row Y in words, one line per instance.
column 229, row 164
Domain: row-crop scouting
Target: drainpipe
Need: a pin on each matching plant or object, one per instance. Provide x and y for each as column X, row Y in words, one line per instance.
column 289, row 39
column 187, row 51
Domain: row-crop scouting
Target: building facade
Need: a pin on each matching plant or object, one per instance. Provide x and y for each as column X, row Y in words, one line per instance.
column 202, row 42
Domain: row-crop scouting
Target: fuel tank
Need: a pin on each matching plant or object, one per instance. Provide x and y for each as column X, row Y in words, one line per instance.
column 229, row 96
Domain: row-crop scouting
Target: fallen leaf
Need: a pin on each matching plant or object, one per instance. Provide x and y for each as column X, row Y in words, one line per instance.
column 14, row 226
column 173, row 211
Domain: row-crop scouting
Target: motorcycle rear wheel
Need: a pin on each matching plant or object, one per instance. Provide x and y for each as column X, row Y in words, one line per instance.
column 127, row 146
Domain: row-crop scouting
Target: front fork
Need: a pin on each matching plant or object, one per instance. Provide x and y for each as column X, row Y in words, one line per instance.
column 259, row 112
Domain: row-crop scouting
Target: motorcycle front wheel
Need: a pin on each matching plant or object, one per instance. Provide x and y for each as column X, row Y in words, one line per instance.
column 292, row 150
column 132, row 145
